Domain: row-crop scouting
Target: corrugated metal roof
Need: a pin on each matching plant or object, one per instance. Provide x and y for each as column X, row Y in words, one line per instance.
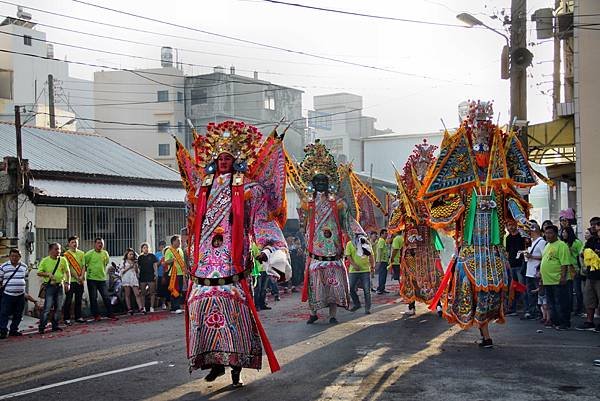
column 89, row 190
column 62, row 151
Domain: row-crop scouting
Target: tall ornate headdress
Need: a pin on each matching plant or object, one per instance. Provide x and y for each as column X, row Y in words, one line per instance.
column 318, row 160
column 232, row 137
column 478, row 112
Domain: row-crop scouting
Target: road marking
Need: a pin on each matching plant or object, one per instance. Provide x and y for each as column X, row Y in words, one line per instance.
column 79, row 379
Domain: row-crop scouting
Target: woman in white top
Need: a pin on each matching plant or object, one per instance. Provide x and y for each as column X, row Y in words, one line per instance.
column 533, row 257
column 129, row 280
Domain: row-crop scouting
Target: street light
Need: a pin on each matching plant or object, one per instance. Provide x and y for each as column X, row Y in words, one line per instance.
column 71, row 121
column 470, row 21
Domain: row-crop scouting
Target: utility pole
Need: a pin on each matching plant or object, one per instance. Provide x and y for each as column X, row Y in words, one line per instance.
column 51, row 101
column 556, row 67
column 518, row 69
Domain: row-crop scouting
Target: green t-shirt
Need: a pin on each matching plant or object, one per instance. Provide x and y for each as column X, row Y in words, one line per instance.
column 258, row 267
column 397, row 243
column 382, row 250
column 170, row 256
column 95, row 263
column 79, row 256
column 362, row 261
column 47, row 266
column 556, row 254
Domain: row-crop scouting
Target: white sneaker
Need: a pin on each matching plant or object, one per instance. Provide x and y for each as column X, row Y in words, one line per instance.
column 163, row 307
column 410, row 312
column 151, row 309
column 178, row 311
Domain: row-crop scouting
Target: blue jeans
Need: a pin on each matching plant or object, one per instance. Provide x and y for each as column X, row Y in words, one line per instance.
column 260, row 290
column 272, row 283
column 531, row 298
column 381, row 276
column 95, row 286
column 365, row 279
column 11, row 306
column 578, row 284
column 55, row 296
column 558, row 301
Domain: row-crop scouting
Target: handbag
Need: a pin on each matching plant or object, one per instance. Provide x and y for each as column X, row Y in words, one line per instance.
column 42, row 293
column 6, row 283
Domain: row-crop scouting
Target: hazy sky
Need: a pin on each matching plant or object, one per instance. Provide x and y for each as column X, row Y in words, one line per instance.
column 437, row 66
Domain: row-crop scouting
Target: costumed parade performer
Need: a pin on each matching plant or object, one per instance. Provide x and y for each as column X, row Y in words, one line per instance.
column 326, row 221
column 471, row 192
column 421, row 270
column 235, row 194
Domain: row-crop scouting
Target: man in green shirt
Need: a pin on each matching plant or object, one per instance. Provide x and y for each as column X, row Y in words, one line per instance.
column 55, row 273
column 75, row 260
column 175, row 270
column 95, row 267
column 382, row 257
column 362, row 264
column 555, row 263
column 397, row 244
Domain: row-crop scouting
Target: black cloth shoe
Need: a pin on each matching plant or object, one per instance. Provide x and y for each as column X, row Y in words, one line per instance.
column 3, row 335
column 215, row 371
column 486, row 343
column 235, row 376
column 57, row 329
column 333, row 320
column 355, row 308
column 312, row 319
column 15, row 333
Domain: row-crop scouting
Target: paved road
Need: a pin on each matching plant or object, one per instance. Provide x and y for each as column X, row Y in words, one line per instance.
column 382, row 356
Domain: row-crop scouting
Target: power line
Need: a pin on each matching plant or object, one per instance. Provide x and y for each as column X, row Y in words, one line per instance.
column 287, row 50
column 184, row 49
column 356, row 14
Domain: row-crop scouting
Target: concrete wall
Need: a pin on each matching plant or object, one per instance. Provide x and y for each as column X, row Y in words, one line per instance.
column 587, row 118
column 114, row 87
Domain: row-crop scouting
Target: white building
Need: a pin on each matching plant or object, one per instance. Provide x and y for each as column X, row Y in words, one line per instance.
column 338, row 122
column 154, row 97
column 24, row 71
column 383, row 150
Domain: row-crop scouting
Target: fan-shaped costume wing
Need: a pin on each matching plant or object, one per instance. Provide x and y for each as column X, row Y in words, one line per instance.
column 269, row 170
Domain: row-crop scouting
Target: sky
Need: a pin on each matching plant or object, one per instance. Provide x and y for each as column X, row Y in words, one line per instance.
column 432, row 68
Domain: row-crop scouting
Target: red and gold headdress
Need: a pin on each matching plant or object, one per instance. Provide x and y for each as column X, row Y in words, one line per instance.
column 233, row 137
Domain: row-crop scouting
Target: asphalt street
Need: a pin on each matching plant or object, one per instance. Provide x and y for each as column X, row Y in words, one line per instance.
column 382, row 356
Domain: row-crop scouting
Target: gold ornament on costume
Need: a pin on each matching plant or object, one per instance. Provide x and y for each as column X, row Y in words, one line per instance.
column 318, row 160
column 235, row 138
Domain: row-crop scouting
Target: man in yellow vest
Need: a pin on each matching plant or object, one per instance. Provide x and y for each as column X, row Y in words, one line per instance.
column 175, row 269
column 75, row 261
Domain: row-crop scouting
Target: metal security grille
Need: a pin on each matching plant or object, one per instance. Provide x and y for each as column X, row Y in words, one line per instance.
column 169, row 222
column 119, row 226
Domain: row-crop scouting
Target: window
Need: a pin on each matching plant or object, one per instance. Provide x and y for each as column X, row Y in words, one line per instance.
column 269, row 101
column 199, row 96
column 179, row 127
column 162, row 96
column 163, row 126
column 6, row 84
column 27, row 40
column 164, row 149
column 179, row 97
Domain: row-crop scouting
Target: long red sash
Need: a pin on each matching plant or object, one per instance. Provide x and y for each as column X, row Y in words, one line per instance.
column 309, row 245
column 200, row 212
column 443, row 284
column 237, row 248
